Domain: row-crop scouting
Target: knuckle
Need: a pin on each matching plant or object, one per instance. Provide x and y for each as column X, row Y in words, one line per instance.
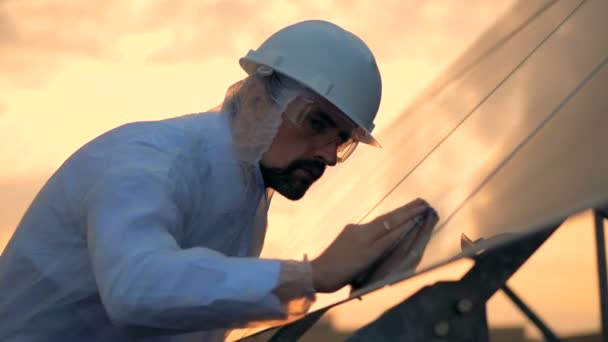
column 349, row 227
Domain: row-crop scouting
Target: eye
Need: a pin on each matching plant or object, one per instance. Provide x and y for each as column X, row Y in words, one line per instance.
column 344, row 137
column 317, row 126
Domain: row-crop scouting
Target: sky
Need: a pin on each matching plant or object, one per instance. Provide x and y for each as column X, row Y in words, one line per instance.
column 70, row 70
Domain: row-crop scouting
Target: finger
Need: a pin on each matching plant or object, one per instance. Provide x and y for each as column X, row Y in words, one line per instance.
column 432, row 220
column 405, row 213
column 397, row 217
column 394, row 250
column 401, row 210
column 416, row 249
column 425, row 229
column 416, row 243
column 410, row 239
column 390, row 241
column 391, row 223
column 407, row 253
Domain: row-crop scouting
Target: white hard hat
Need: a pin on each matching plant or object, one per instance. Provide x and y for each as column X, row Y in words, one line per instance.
column 330, row 61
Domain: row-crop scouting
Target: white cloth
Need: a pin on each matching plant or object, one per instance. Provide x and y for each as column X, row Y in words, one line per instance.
column 147, row 233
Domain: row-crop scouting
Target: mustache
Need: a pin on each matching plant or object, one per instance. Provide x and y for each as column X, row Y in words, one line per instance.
column 315, row 167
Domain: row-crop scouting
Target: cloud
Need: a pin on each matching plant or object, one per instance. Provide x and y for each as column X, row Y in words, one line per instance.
column 37, row 38
column 392, row 28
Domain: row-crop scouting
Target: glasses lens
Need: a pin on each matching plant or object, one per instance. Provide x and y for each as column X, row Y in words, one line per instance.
column 346, row 149
column 323, row 128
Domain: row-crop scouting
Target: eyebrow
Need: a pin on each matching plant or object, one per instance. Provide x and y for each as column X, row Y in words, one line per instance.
column 323, row 116
column 343, row 134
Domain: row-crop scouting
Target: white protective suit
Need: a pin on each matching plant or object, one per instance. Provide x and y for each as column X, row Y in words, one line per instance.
column 148, row 233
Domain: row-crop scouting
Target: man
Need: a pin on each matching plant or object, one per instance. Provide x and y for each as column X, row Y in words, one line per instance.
column 152, row 230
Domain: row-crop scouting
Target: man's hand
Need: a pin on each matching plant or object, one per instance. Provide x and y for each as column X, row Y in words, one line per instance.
column 359, row 246
column 405, row 257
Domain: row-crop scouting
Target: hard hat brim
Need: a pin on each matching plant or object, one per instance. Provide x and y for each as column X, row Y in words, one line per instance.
column 251, row 66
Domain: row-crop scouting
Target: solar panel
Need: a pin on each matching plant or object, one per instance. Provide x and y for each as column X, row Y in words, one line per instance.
column 510, row 143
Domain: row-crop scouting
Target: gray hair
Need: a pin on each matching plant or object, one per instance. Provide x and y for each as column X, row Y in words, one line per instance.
column 253, row 126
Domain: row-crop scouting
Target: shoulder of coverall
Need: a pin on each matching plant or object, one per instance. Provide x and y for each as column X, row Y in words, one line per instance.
column 178, row 151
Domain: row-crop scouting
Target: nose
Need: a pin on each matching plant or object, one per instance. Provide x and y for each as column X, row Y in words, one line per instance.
column 328, row 154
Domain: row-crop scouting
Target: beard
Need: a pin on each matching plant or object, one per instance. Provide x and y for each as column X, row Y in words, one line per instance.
column 294, row 180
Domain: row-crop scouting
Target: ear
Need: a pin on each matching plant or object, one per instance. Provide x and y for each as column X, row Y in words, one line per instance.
column 254, row 90
column 254, row 96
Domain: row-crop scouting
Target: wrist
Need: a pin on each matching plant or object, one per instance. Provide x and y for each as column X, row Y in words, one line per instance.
column 318, row 280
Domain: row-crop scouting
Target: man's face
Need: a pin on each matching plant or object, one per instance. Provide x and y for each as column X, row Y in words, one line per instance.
column 307, row 141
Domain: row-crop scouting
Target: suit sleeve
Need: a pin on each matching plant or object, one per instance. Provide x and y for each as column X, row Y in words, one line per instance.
column 145, row 279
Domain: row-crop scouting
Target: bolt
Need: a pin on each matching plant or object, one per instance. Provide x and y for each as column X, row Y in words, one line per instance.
column 464, row 305
column 442, row 328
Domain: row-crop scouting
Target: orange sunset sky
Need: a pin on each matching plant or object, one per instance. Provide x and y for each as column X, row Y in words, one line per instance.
column 70, row 70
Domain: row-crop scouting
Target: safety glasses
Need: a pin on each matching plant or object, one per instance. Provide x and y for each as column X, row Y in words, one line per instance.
column 323, row 127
